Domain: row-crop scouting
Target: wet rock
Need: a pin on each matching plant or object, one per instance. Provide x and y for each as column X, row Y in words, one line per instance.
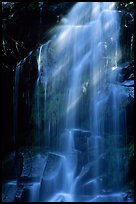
column 114, row 197
column 80, row 137
column 130, row 91
column 128, row 83
column 90, row 176
column 19, row 192
column 128, row 196
column 122, row 72
column 27, row 75
column 9, row 163
column 30, row 192
column 33, row 166
column 52, row 176
column 127, row 71
column 25, row 195
column 53, row 162
column 9, row 191
column 94, row 143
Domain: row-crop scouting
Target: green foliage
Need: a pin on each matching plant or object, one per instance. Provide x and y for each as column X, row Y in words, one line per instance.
column 131, row 150
column 127, row 6
column 131, row 3
column 32, row 6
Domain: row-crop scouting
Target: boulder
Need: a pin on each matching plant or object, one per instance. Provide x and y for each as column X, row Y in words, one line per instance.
column 9, row 191
column 52, row 176
column 90, row 175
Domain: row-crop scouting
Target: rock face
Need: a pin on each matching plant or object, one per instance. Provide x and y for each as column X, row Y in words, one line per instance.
column 52, row 177
column 25, row 78
column 19, row 39
column 40, row 17
column 27, row 178
column 10, row 163
column 9, row 191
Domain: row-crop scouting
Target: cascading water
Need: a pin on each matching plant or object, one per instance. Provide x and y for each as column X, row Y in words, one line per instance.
column 42, row 82
column 105, row 29
column 16, row 97
column 85, row 51
column 88, row 41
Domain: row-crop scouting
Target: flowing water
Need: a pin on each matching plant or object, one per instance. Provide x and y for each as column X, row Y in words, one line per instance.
column 86, row 48
column 87, row 44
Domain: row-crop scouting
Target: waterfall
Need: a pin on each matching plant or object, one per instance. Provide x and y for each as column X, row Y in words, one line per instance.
column 86, row 45
column 41, row 83
column 16, row 102
column 79, row 66
column 106, row 29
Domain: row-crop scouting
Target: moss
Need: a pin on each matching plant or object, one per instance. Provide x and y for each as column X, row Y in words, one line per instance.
column 129, row 186
column 131, row 150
